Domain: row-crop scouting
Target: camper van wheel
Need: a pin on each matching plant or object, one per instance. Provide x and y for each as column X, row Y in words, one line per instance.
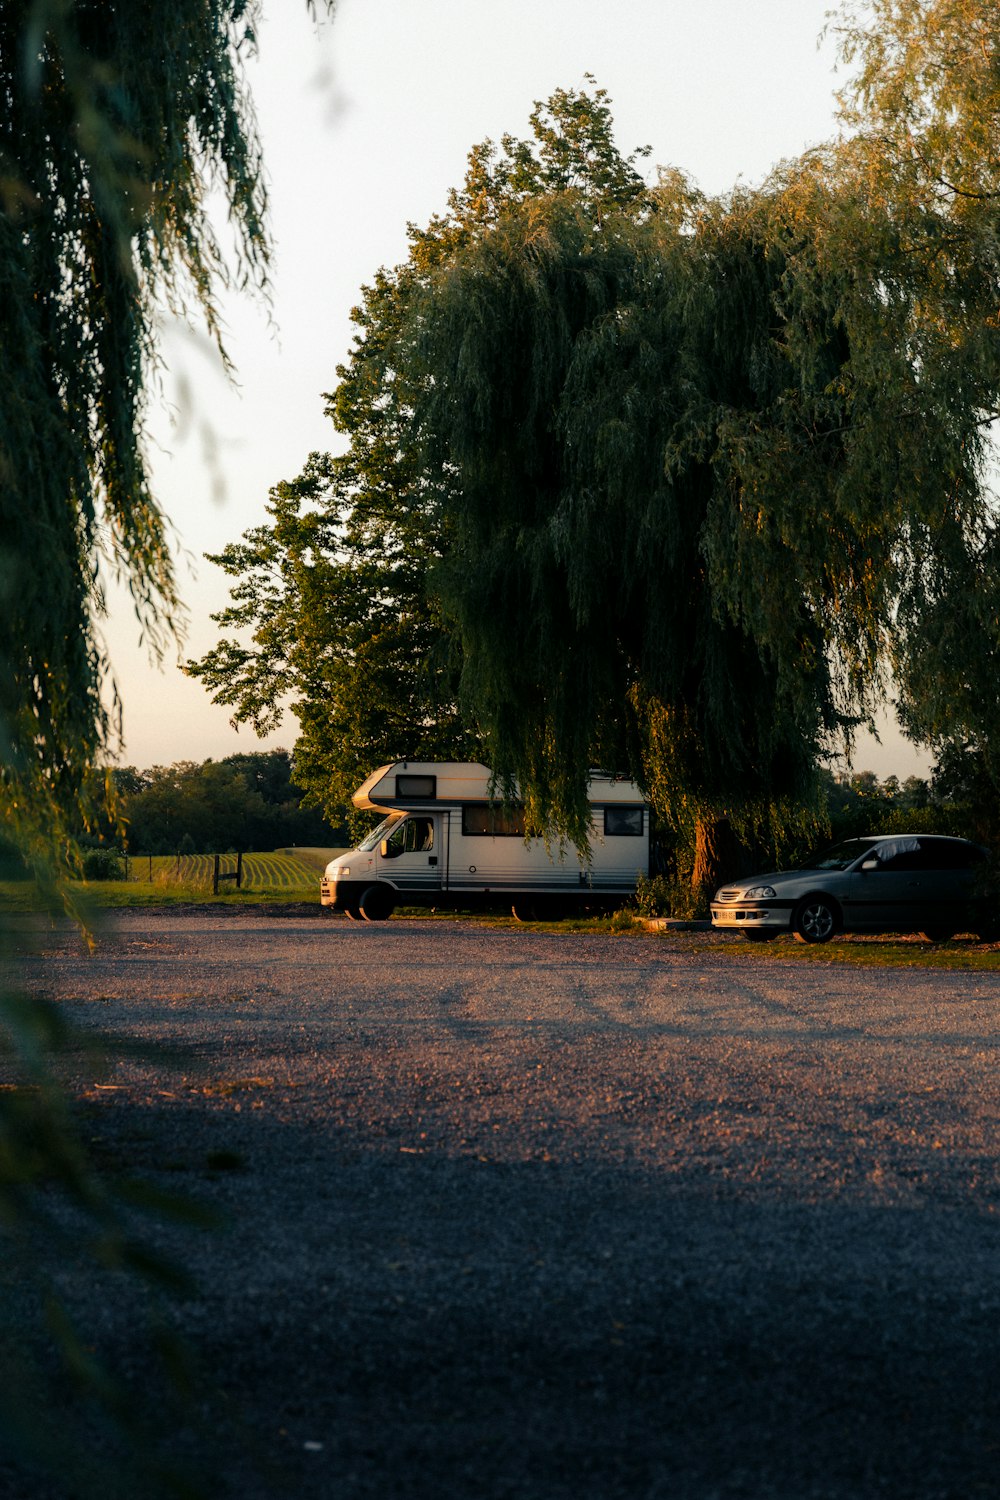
column 376, row 904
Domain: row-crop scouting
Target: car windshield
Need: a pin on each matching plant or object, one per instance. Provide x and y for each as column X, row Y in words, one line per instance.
column 378, row 834
column 840, row 856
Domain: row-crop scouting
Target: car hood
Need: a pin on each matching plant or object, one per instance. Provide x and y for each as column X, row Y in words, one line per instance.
column 775, row 878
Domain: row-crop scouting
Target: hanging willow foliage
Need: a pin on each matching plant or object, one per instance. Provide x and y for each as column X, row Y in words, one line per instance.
column 335, row 587
column 697, row 454
column 117, row 121
column 925, row 108
column 580, row 377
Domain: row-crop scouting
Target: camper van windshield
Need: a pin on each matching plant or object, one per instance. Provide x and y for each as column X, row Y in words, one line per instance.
column 381, row 832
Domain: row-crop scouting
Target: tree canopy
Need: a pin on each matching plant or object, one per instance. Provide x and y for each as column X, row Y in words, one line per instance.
column 335, row 590
column 118, row 122
column 718, row 471
column 243, row 802
column 926, row 112
column 676, row 485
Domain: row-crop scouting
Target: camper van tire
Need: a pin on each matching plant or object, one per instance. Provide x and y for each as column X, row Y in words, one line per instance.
column 377, row 903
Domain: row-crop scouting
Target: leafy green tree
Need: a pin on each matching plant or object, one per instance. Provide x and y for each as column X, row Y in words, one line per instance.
column 693, row 478
column 712, row 467
column 119, row 120
column 334, row 594
column 622, row 404
column 334, row 591
column 242, row 802
column 925, row 110
column 553, row 408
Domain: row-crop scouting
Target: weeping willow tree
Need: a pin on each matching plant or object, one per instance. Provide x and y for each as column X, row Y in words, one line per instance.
column 579, row 377
column 334, row 589
column 696, row 457
column 925, row 111
column 118, row 121
column 689, row 480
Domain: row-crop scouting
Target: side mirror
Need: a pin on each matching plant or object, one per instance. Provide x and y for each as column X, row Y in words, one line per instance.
column 383, row 849
column 870, row 864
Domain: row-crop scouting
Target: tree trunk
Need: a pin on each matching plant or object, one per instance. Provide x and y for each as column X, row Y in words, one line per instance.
column 718, row 855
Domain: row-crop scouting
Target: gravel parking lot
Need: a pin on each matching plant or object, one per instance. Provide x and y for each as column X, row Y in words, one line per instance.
column 520, row 1214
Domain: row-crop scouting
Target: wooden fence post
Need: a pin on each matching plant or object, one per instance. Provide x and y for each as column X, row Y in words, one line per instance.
column 239, row 870
column 215, row 877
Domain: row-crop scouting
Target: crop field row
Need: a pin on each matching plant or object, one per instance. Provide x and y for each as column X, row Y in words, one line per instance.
column 261, row 872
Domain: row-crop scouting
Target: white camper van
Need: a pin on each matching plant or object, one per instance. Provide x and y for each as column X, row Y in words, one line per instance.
column 444, row 842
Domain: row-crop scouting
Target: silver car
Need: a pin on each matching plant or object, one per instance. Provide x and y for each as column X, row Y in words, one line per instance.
column 888, row 883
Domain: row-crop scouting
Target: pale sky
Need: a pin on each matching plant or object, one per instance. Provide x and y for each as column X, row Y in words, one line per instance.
column 366, row 124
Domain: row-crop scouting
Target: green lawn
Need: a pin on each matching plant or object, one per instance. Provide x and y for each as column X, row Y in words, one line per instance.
column 158, row 880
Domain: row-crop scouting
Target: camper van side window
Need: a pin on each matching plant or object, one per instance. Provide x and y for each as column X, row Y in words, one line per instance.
column 623, row 822
column 484, row 821
column 416, row 788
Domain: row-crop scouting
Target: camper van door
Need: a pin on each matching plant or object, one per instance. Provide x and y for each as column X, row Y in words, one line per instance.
column 411, row 856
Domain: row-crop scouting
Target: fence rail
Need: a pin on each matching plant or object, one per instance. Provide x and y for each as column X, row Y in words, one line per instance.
column 217, row 873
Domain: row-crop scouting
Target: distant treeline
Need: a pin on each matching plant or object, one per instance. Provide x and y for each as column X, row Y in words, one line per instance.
column 251, row 801
column 244, row 802
column 955, row 799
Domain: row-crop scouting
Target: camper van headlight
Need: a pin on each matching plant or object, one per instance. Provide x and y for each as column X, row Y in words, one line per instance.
column 341, row 872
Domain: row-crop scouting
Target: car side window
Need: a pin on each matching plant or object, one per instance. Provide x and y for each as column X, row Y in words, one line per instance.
column 949, row 854
column 933, row 856
column 900, row 854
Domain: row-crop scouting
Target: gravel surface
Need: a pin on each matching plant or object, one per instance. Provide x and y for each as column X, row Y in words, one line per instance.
column 551, row 1216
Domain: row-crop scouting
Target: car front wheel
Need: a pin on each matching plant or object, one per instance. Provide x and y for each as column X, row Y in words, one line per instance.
column 814, row 920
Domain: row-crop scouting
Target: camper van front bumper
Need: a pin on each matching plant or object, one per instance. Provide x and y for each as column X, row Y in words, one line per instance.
column 341, row 894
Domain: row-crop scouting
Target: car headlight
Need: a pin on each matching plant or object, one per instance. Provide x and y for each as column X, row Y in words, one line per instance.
column 759, row 893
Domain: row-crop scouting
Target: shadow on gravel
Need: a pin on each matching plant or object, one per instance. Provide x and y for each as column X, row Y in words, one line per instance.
column 383, row 1323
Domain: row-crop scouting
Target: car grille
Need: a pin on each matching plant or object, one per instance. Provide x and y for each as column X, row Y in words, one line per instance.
column 729, row 895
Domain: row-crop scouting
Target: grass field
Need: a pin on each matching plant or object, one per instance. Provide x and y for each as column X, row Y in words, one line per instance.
column 283, row 872
column 316, row 859
column 169, row 879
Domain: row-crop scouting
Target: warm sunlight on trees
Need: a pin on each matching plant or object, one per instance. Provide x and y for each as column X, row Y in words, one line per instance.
column 663, row 483
column 926, row 110
column 720, row 471
column 118, row 122
column 335, row 590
